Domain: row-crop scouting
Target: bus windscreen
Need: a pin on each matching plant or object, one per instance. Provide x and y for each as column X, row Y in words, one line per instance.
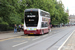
column 31, row 18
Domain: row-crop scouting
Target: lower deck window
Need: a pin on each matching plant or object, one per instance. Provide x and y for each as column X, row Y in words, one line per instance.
column 44, row 24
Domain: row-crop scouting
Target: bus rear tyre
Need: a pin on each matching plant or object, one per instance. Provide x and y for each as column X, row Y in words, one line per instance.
column 50, row 30
column 42, row 32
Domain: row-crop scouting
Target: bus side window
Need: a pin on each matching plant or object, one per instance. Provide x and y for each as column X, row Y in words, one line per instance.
column 42, row 24
column 46, row 24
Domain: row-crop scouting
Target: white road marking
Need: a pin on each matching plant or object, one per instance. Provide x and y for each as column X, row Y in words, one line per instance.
column 65, row 41
column 19, row 44
column 35, row 43
column 36, row 38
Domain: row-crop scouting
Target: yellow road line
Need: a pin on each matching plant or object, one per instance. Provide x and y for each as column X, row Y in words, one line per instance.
column 6, row 39
column 17, row 37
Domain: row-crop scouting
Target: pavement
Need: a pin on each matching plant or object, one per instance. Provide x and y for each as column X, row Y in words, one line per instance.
column 54, row 42
column 8, row 34
column 68, row 45
column 4, row 35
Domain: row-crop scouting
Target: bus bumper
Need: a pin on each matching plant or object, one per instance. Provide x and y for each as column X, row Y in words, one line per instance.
column 32, row 31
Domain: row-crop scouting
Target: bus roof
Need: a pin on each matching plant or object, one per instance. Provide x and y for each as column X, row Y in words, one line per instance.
column 35, row 9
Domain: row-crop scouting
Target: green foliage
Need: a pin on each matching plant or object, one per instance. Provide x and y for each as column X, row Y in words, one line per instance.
column 12, row 11
column 59, row 15
column 15, row 19
column 1, row 20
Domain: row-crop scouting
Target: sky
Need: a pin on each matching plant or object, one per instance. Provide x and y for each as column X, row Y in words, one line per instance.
column 69, row 4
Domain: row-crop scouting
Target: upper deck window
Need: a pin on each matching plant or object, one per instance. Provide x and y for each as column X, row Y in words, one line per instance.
column 44, row 14
column 31, row 18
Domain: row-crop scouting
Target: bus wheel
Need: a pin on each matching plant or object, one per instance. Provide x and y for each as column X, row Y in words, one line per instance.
column 42, row 32
column 50, row 30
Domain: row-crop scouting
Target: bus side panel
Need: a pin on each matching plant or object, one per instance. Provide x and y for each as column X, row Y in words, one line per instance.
column 45, row 30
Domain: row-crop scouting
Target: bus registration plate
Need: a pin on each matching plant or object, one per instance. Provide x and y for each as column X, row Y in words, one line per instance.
column 31, row 33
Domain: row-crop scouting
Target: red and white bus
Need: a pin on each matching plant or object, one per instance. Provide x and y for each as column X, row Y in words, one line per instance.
column 36, row 21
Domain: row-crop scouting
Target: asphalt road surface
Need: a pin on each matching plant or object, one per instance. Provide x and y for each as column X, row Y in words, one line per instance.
column 36, row 42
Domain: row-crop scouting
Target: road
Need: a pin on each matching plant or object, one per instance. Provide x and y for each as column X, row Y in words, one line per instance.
column 36, row 42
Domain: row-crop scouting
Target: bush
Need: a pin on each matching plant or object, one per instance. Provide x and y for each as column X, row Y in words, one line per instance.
column 10, row 28
column 3, row 27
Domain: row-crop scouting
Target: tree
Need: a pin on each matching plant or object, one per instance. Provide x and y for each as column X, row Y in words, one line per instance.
column 12, row 11
column 59, row 14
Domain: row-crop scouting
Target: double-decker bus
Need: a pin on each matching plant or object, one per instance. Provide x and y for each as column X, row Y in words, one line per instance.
column 36, row 21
